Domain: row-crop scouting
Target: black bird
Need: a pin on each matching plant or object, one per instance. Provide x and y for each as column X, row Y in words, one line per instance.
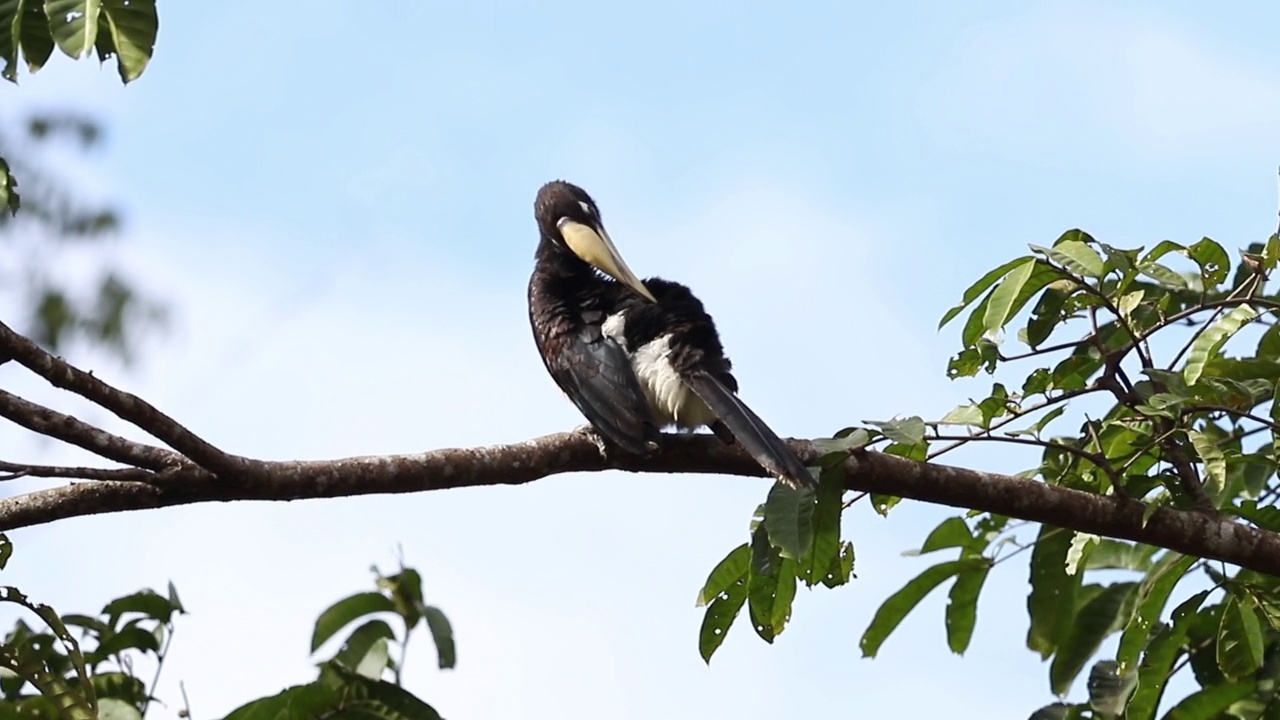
column 634, row 356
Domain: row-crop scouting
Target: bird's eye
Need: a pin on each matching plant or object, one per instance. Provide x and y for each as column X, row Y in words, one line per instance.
column 586, row 208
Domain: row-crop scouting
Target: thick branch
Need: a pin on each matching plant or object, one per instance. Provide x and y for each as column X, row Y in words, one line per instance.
column 1188, row 532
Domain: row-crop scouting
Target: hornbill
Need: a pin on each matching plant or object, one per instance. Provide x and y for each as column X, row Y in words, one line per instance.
column 633, row 356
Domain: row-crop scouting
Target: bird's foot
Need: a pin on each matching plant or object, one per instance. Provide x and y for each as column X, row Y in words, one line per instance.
column 595, row 437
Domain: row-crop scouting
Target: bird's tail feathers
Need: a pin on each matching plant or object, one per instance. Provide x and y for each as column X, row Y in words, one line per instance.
column 756, row 437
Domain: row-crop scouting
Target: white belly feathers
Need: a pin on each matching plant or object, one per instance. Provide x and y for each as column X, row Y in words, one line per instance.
column 672, row 402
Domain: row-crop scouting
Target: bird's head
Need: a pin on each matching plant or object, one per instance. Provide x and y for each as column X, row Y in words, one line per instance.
column 568, row 217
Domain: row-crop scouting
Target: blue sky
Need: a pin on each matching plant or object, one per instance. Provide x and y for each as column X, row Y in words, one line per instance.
column 337, row 202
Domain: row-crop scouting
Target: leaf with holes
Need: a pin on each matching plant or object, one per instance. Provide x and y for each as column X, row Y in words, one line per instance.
column 1213, row 261
column 131, row 27
column 721, row 612
column 74, row 24
column 824, row 557
column 1052, row 599
column 1210, row 342
column 727, row 572
column 1157, row 663
column 1153, row 594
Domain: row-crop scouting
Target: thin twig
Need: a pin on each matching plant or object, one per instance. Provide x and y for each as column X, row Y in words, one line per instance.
column 73, row 431
column 1069, row 394
column 16, row 470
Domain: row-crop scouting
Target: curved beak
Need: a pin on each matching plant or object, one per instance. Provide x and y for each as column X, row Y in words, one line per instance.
column 592, row 244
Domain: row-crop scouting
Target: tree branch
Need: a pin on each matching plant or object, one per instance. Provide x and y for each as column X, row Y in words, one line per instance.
column 40, row 419
column 1192, row 533
column 126, row 405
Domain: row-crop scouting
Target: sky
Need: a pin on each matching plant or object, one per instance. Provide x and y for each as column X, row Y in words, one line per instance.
column 336, row 202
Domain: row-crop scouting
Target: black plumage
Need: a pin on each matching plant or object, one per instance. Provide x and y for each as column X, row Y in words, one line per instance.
column 634, row 356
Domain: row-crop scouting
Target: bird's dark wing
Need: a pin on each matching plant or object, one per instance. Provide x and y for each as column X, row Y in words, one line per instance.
column 757, row 439
column 596, row 374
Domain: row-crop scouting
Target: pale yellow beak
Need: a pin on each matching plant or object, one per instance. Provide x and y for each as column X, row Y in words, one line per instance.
column 593, row 245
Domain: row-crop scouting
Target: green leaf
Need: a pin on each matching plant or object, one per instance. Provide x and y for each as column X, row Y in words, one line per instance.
column 36, row 40
column 1215, row 463
column 976, row 289
column 129, row 638
column 442, row 634
column 74, row 24
column 727, row 572
column 1081, row 543
column 346, row 611
column 1108, row 688
column 894, row 609
column 1047, row 314
column 1271, row 253
column 1209, row 703
column 1129, row 302
column 131, row 27
column 1213, row 338
column 8, row 189
column 789, row 519
column 1160, row 250
column 75, row 703
column 908, row 431
column 1075, row 256
column 1269, row 344
column 1110, row 554
column 145, row 602
column 1157, row 663
column 1239, row 648
column 962, row 605
column 360, row 643
column 824, row 558
column 339, row 694
column 1164, row 276
column 406, row 594
column 762, row 582
column 845, row 571
column 952, row 532
column 115, row 709
column 1052, row 599
column 721, row 612
column 1213, row 261
column 1100, row 616
column 784, row 595
column 6, row 550
column 1003, row 303
column 10, row 36
column 1153, row 594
